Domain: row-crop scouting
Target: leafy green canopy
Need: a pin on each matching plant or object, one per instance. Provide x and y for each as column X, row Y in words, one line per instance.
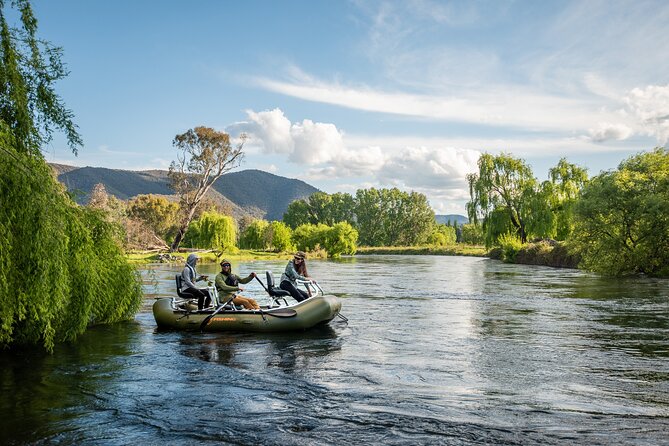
column 382, row 217
column 29, row 105
column 212, row 230
column 341, row 238
column 62, row 265
column 622, row 218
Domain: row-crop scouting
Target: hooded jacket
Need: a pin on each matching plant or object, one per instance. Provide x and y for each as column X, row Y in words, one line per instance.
column 189, row 275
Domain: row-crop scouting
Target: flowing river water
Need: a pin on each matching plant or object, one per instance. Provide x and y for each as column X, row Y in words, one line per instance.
column 437, row 350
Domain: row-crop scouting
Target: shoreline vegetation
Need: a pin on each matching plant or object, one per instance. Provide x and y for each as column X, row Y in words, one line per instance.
column 542, row 252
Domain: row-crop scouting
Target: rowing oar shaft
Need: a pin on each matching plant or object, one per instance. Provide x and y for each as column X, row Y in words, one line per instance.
column 263, row 285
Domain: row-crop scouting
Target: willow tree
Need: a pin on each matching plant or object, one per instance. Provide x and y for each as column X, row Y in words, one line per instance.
column 501, row 195
column 62, row 264
column 204, row 155
column 567, row 181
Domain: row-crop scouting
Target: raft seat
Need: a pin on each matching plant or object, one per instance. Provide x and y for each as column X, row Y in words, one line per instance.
column 276, row 293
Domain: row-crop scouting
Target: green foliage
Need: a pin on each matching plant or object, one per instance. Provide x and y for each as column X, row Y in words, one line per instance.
column 442, row 235
column 336, row 240
column 308, row 237
column 212, row 231
column 622, row 218
column 567, row 181
column 30, row 108
column 320, row 208
column 390, row 217
column 156, row 212
column 63, row 266
column 472, row 234
column 501, row 188
column 279, row 237
column 340, row 239
column 253, row 236
column 511, row 245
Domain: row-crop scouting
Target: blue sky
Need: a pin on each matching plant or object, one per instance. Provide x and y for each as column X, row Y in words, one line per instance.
column 353, row 94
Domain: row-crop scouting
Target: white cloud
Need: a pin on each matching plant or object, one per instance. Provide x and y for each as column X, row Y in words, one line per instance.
column 270, row 127
column 430, row 168
column 315, row 142
column 650, row 106
column 606, row 131
column 307, row 142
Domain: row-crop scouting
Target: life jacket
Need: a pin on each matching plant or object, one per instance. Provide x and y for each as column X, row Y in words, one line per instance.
column 232, row 280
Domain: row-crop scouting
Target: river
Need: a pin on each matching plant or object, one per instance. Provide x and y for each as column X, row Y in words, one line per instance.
column 437, row 350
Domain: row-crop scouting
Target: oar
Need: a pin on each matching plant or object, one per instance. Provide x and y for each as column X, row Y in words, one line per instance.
column 263, row 285
column 218, row 310
column 282, row 312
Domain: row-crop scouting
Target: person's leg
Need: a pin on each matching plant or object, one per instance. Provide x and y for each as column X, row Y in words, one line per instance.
column 297, row 294
column 247, row 302
column 201, row 295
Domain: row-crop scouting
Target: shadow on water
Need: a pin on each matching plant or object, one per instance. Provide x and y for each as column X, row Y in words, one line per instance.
column 41, row 391
column 281, row 350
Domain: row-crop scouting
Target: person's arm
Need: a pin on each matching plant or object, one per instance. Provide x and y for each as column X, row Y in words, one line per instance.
column 247, row 279
column 223, row 287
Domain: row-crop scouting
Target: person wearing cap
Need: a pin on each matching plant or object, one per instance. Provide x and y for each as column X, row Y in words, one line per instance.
column 188, row 278
column 227, row 284
column 296, row 270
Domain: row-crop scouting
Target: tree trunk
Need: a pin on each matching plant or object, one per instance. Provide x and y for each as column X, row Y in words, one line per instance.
column 183, row 228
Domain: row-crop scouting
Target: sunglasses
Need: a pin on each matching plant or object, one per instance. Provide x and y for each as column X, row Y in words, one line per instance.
column 225, row 264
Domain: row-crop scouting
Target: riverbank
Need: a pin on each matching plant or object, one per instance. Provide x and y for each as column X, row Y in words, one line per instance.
column 451, row 250
column 143, row 257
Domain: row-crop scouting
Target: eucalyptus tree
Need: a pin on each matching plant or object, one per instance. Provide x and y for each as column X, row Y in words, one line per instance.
column 204, row 155
column 622, row 217
column 500, row 195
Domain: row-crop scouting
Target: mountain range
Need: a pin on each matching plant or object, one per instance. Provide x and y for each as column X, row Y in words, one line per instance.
column 251, row 192
column 254, row 192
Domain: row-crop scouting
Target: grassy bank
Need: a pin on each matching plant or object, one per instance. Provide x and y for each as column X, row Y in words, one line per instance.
column 141, row 257
column 453, row 250
column 544, row 253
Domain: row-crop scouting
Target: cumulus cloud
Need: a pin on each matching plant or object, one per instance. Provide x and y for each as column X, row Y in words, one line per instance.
column 307, row 142
column 315, row 142
column 607, row 131
column 442, row 170
column 651, row 106
column 270, row 128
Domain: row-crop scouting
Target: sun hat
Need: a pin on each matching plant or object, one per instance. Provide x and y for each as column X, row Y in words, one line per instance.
column 300, row 255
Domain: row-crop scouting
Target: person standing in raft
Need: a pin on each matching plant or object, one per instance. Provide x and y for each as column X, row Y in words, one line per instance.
column 227, row 284
column 188, row 278
column 296, row 270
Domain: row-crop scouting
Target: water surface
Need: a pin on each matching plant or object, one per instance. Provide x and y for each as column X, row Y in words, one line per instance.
column 437, row 350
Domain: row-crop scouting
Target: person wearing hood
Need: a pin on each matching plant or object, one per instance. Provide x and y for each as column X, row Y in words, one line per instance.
column 188, row 278
column 227, row 284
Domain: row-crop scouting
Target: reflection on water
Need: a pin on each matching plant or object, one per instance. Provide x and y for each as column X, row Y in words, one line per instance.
column 438, row 350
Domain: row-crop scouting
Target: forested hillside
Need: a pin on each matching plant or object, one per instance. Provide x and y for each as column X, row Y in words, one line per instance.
column 247, row 189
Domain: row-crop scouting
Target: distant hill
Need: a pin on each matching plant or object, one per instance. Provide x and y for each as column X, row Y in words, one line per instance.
column 249, row 189
column 443, row 219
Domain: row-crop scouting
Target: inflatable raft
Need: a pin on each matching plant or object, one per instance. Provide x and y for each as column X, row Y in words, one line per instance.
column 182, row 314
